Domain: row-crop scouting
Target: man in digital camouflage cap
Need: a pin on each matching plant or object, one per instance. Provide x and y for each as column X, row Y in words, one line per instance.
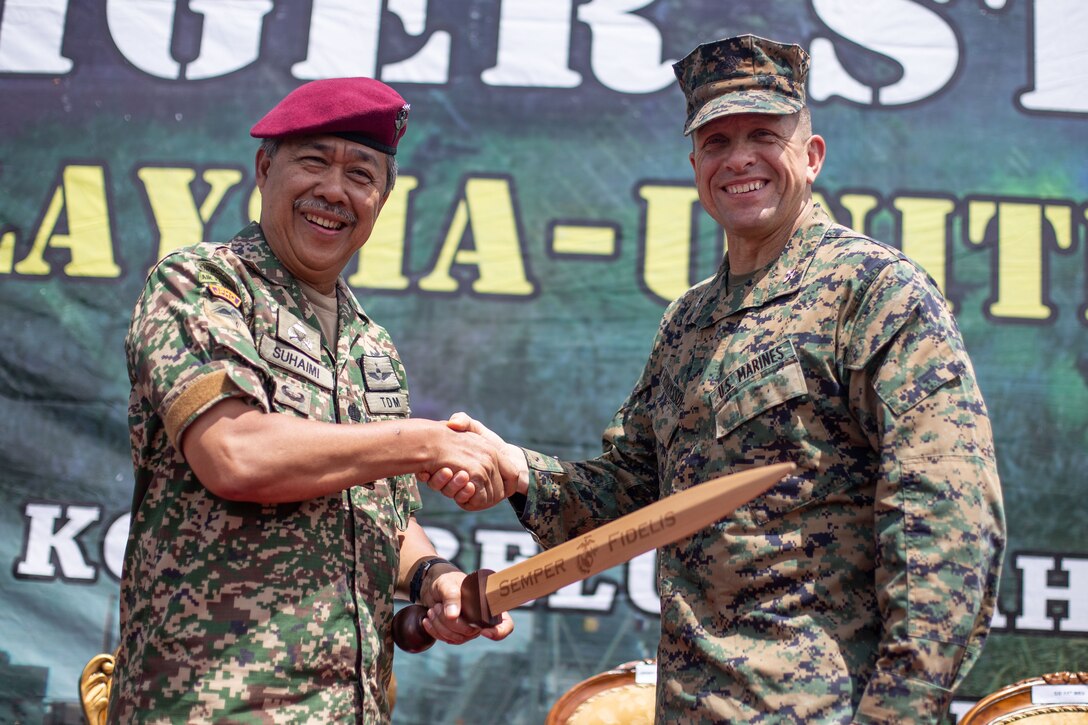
column 860, row 589
column 273, row 513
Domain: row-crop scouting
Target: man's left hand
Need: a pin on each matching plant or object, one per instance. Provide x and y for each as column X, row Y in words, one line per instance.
column 443, row 599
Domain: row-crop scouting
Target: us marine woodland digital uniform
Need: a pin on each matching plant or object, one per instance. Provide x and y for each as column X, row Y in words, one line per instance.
column 861, row 588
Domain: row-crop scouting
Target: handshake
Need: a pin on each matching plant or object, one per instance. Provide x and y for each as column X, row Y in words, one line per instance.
column 474, row 466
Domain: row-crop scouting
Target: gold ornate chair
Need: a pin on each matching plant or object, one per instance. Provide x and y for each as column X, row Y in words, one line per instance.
column 94, row 688
column 1058, row 698
column 97, row 679
column 609, row 698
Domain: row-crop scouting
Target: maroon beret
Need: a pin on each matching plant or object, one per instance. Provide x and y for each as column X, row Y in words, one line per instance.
column 362, row 110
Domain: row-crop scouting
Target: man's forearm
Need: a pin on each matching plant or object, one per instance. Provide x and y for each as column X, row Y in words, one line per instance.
column 241, row 453
column 415, row 549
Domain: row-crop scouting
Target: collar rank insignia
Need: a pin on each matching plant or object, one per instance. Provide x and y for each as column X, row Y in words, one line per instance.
column 296, row 333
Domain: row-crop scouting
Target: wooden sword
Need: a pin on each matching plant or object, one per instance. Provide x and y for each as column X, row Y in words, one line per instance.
column 485, row 594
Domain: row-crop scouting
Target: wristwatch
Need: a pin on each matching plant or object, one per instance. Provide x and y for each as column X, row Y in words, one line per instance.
column 420, row 575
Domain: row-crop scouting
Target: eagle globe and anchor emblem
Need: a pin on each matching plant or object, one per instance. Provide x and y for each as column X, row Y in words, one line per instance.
column 586, row 555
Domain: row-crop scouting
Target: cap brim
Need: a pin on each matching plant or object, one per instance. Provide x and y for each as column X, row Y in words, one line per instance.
column 744, row 102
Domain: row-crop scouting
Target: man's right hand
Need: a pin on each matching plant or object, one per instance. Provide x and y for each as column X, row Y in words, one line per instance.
column 468, row 492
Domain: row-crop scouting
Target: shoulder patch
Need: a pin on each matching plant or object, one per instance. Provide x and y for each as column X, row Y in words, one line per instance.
column 218, row 283
column 208, row 272
column 223, row 293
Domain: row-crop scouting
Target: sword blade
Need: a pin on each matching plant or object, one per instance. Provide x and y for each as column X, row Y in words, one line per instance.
column 660, row 523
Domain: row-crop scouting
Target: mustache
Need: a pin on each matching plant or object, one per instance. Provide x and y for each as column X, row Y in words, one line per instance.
column 339, row 212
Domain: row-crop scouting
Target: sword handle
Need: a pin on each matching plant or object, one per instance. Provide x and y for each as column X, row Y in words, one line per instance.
column 474, row 606
column 408, row 631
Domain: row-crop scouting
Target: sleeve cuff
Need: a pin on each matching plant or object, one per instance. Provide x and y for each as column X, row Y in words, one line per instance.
column 541, row 462
column 906, row 701
column 518, row 501
column 195, row 396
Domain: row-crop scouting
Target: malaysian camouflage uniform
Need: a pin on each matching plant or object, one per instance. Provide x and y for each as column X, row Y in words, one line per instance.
column 859, row 589
column 241, row 611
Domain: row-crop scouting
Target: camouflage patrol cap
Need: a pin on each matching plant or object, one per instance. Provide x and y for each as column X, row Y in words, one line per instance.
column 744, row 74
column 362, row 110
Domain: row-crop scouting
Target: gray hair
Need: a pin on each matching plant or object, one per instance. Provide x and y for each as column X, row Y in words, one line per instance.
column 271, row 145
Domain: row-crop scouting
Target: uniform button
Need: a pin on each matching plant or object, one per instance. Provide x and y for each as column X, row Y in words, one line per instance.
column 354, row 414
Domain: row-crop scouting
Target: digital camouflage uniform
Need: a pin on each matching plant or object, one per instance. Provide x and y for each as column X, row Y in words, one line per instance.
column 859, row 589
column 237, row 611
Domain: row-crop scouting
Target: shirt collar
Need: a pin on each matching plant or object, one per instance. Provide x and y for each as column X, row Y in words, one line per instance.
column 253, row 249
column 785, row 276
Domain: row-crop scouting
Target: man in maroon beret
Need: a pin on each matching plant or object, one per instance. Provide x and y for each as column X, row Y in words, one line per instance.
column 275, row 460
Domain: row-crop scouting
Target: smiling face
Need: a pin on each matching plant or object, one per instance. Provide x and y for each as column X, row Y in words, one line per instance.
column 754, row 173
column 320, row 197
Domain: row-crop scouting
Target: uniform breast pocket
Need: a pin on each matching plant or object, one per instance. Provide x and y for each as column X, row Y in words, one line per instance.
column 295, row 379
column 757, row 395
column 388, row 502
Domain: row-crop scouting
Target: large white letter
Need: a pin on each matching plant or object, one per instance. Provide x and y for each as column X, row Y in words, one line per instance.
column 642, row 583
column 31, row 32
column 343, row 40
column 912, row 35
column 42, row 540
column 500, row 548
column 534, row 46
column 113, row 545
column 432, row 63
column 1035, row 592
column 625, row 47
column 143, row 32
column 231, row 36
column 574, row 596
column 1061, row 56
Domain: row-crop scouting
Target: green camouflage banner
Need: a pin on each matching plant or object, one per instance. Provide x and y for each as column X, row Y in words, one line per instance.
column 544, row 217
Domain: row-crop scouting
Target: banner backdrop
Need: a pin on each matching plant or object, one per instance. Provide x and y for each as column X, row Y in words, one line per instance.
column 544, row 217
